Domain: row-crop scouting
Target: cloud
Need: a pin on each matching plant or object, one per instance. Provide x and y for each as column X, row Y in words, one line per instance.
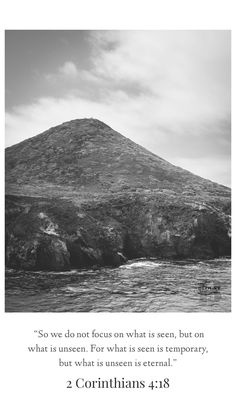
column 188, row 72
column 68, row 69
column 167, row 90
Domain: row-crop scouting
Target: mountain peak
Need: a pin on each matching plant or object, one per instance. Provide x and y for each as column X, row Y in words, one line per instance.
column 85, row 122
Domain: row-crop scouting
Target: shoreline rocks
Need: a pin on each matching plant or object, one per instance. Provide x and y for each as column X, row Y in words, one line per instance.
column 103, row 236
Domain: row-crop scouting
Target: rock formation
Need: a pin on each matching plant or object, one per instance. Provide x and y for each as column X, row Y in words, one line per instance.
column 82, row 195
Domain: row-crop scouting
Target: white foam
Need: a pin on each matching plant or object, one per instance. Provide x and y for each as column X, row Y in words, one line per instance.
column 141, row 264
column 72, row 289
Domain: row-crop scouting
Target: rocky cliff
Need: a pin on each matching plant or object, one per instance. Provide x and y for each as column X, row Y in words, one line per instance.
column 81, row 194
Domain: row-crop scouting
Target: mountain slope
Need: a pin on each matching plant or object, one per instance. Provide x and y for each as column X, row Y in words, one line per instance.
column 81, row 194
column 88, row 156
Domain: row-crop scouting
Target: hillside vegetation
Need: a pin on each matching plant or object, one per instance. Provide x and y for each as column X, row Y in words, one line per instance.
column 81, row 194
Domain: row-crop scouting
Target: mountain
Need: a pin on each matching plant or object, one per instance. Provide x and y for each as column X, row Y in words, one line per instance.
column 87, row 156
column 81, row 194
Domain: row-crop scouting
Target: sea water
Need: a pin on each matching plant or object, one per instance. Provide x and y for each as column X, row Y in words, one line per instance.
column 144, row 285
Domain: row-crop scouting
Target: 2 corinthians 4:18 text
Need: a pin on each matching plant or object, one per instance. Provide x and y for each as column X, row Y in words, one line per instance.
column 117, row 383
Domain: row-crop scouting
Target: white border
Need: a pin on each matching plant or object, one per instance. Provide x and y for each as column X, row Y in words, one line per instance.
column 34, row 389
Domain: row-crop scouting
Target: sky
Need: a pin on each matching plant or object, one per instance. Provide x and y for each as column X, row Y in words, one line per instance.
column 169, row 91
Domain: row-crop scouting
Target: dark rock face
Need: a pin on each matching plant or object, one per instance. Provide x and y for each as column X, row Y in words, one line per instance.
column 81, row 195
column 110, row 232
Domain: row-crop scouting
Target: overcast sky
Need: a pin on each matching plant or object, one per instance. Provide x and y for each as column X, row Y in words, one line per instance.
column 166, row 90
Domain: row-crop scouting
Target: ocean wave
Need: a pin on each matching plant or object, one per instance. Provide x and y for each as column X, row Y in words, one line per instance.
column 141, row 264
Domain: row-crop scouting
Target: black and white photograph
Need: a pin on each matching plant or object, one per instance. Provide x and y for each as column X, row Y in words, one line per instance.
column 118, row 171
